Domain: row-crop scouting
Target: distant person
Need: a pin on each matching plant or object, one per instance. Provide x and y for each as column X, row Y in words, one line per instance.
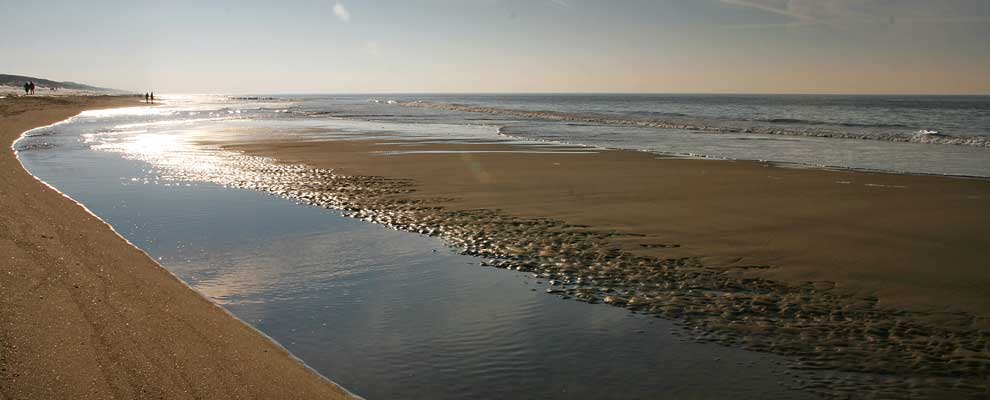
column 152, row 97
column 27, row 88
column 32, row 87
column 145, row 97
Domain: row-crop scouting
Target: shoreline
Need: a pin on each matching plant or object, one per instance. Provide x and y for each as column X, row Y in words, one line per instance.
column 868, row 273
column 100, row 318
column 779, row 164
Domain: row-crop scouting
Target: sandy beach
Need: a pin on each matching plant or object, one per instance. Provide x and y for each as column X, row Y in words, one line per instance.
column 752, row 199
column 873, row 274
column 85, row 315
column 858, row 271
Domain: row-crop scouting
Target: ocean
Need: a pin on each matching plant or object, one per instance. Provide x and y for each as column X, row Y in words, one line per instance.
column 943, row 135
column 881, row 133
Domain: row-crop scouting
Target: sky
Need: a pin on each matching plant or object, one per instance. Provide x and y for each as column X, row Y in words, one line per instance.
column 517, row 46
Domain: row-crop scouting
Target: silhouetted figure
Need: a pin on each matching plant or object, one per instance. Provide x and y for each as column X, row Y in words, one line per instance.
column 27, row 88
column 145, row 97
column 32, row 87
column 152, row 97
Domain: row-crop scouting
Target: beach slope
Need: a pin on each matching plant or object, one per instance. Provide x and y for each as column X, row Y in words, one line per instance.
column 85, row 315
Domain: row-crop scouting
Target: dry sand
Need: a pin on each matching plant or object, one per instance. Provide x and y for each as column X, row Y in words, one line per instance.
column 85, row 315
column 915, row 242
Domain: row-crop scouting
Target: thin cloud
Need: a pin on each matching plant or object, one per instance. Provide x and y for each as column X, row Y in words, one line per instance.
column 811, row 11
column 373, row 47
column 773, row 7
column 562, row 3
column 769, row 26
column 341, row 12
column 845, row 12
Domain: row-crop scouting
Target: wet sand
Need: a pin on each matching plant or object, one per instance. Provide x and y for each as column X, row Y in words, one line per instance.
column 913, row 241
column 867, row 272
column 85, row 315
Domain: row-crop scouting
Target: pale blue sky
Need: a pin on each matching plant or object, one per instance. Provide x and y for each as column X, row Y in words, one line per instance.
column 806, row 46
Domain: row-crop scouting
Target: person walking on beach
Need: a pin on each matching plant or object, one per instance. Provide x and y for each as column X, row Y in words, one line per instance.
column 145, row 97
column 152, row 97
column 32, row 87
column 27, row 88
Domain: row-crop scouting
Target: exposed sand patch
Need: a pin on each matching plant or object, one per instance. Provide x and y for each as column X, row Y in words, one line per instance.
column 914, row 241
column 867, row 272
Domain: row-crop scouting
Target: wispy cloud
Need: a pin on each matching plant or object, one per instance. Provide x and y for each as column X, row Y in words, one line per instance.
column 809, row 11
column 845, row 12
column 341, row 12
column 373, row 47
column 562, row 3
column 768, row 6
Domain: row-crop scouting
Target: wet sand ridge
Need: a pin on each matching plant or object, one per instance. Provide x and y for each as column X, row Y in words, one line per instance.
column 867, row 272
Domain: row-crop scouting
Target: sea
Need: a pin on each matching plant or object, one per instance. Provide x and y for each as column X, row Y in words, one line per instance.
column 942, row 135
column 394, row 314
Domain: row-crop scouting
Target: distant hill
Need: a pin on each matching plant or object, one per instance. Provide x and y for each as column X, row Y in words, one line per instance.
column 18, row 81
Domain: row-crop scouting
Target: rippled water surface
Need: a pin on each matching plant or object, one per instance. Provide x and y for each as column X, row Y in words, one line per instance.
column 863, row 132
column 385, row 313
